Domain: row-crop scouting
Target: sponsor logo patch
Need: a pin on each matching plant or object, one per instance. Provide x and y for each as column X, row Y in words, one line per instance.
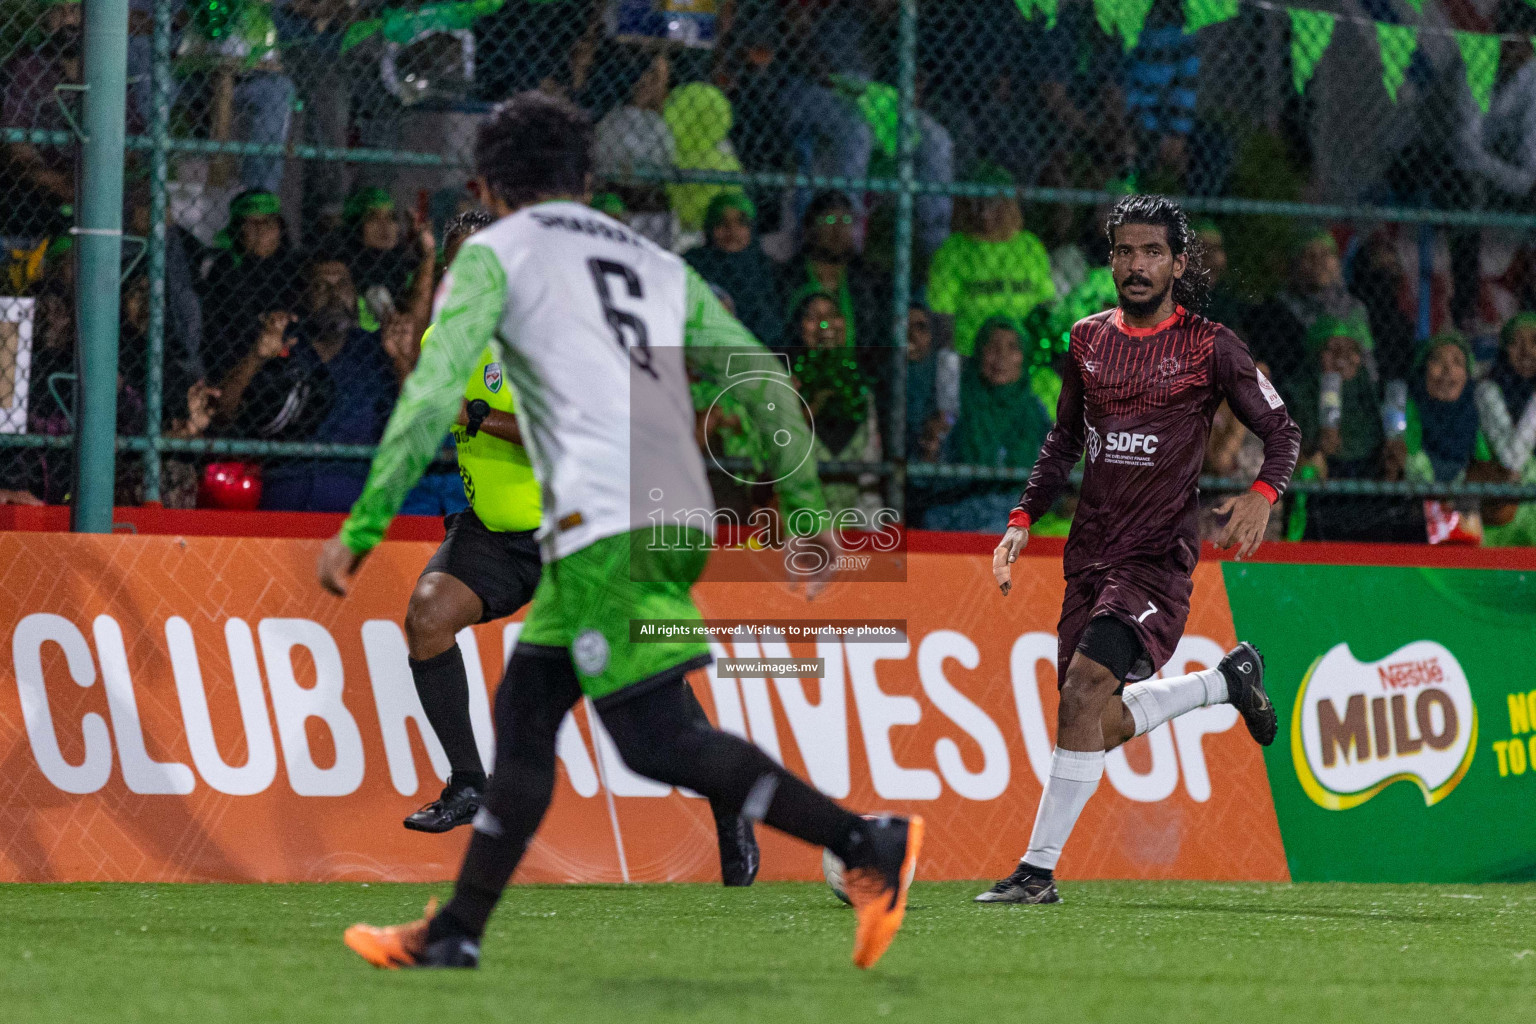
column 493, row 377
column 1122, row 447
column 1270, row 394
column 1358, row 727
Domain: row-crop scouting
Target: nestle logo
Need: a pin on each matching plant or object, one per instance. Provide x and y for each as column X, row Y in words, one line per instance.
column 1404, row 675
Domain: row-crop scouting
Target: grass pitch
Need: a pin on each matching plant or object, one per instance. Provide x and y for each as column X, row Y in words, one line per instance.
column 1115, row 951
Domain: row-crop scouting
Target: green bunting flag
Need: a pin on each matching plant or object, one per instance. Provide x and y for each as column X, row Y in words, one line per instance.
column 1199, row 14
column 1133, row 15
column 1480, row 56
column 1397, row 43
column 1310, row 33
column 1028, row 8
column 1123, row 17
column 401, row 26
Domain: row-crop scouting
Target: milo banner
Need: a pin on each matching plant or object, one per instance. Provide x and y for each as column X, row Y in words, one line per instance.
column 195, row 708
column 1407, row 750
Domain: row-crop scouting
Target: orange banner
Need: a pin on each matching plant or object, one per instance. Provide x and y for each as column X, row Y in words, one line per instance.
column 195, row 709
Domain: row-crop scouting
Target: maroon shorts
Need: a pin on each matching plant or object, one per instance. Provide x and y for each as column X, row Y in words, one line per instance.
column 1151, row 598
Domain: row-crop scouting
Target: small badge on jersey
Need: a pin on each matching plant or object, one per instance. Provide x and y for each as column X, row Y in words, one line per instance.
column 1270, row 394
column 590, row 652
column 493, row 377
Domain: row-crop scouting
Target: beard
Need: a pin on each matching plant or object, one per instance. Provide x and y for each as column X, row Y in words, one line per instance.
column 1146, row 307
column 330, row 321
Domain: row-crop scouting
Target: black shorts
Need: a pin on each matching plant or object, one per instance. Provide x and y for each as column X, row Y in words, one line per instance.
column 501, row 568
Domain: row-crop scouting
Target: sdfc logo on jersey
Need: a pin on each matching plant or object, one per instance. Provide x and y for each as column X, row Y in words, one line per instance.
column 1169, row 368
column 1121, row 447
column 1360, row 726
column 493, row 377
column 1125, row 441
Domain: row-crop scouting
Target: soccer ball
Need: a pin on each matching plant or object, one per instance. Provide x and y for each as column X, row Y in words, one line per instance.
column 832, row 870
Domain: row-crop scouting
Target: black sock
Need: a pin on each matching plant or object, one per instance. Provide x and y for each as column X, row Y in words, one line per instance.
column 807, row 814
column 443, row 687
column 726, row 814
column 488, row 864
column 467, row 780
column 1037, row 872
column 528, row 717
column 660, row 736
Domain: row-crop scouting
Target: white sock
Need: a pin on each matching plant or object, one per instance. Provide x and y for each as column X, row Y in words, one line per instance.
column 1074, row 776
column 1157, row 700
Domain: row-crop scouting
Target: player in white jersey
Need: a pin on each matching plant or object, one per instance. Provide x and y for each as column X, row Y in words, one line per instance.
column 598, row 330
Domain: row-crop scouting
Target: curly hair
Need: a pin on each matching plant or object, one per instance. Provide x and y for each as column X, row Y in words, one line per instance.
column 1191, row 290
column 465, row 224
column 535, row 145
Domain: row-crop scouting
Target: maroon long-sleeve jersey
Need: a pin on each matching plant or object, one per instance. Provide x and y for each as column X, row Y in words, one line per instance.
column 1140, row 401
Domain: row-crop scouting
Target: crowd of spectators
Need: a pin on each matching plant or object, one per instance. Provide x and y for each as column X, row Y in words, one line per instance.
column 296, row 320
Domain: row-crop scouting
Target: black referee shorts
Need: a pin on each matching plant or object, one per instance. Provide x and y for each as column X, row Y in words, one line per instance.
column 501, row 568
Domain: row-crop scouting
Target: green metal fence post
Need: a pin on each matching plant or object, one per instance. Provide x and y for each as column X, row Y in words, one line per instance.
column 100, row 246
column 159, row 134
column 901, row 290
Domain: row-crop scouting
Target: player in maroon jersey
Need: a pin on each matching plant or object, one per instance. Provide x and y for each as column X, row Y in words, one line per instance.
column 1140, row 385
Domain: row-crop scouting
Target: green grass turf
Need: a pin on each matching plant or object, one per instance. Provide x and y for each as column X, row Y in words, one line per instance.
column 1131, row 951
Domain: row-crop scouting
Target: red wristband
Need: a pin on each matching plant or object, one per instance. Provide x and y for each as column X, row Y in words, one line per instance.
column 1270, row 494
column 1018, row 517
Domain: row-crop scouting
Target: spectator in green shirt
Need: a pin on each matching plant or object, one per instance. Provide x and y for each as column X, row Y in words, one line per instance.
column 992, row 267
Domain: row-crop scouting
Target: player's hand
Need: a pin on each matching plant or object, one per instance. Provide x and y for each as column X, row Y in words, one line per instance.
column 814, row 560
column 337, row 565
column 1249, row 513
column 1005, row 554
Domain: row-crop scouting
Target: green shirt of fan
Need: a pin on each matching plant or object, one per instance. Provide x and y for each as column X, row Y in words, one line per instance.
column 972, row 281
column 498, row 477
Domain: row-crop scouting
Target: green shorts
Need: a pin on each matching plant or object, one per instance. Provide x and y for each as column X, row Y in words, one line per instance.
column 585, row 601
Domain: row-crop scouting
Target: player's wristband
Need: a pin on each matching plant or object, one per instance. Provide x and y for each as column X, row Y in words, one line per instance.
column 1270, row 494
column 1018, row 517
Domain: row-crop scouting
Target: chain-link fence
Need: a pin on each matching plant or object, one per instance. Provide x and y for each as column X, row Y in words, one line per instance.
column 925, row 181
